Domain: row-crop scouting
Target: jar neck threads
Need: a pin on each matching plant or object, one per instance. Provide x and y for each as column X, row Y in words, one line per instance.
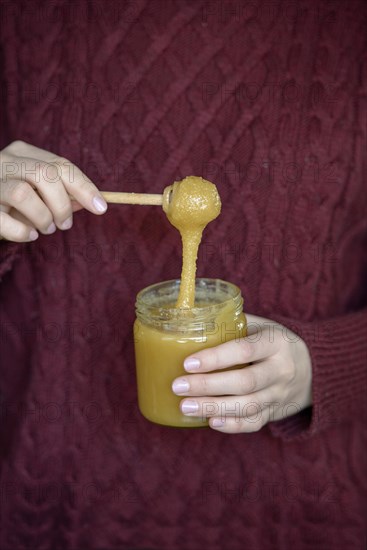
column 155, row 305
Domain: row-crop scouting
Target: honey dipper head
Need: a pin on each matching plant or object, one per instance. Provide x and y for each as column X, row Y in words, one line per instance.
column 191, row 202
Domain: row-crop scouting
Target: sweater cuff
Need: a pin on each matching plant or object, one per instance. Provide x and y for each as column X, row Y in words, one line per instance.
column 338, row 353
column 9, row 252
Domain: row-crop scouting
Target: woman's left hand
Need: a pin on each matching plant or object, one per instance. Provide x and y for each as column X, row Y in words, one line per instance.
column 275, row 385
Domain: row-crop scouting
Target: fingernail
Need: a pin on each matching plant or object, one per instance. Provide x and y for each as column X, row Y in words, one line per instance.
column 67, row 223
column 217, row 422
column 189, row 407
column 51, row 229
column 33, row 235
column 180, row 386
column 191, row 363
column 99, row 204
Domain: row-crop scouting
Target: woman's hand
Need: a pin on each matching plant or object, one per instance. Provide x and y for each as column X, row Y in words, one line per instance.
column 34, row 192
column 276, row 384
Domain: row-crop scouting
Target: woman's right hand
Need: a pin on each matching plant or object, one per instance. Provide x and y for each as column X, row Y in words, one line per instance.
column 34, row 192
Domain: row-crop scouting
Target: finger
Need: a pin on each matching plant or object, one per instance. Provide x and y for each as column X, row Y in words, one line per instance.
column 23, row 149
column 235, row 352
column 16, row 215
column 80, row 186
column 76, row 206
column 253, row 324
column 21, row 196
column 76, row 182
column 256, row 324
column 4, row 208
column 240, row 425
column 14, row 230
column 46, row 178
column 52, row 180
column 232, row 406
column 232, row 382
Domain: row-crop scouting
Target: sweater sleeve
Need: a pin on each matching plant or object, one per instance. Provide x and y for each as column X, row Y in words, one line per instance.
column 338, row 350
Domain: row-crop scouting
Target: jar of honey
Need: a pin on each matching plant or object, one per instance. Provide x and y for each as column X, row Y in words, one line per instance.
column 165, row 335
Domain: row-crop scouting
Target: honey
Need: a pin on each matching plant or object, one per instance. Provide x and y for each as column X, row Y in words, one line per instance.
column 164, row 336
column 178, row 318
column 190, row 205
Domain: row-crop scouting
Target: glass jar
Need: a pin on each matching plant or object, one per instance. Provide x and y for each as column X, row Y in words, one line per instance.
column 164, row 336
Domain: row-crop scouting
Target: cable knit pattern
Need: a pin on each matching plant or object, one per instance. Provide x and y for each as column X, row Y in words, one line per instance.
column 268, row 100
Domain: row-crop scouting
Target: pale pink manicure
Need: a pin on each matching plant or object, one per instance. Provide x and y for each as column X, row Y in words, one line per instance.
column 180, row 386
column 192, row 363
column 100, row 204
column 33, row 235
column 67, row 223
column 189, row 407
column 217, row 423
column 51, row 229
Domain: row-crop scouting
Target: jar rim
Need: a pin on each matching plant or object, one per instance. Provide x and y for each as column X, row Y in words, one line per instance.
column 163, row 313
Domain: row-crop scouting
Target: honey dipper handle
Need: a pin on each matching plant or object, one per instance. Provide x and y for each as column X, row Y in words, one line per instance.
column 131, row 198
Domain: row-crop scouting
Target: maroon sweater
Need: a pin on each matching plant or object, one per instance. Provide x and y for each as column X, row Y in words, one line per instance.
column 268, row 100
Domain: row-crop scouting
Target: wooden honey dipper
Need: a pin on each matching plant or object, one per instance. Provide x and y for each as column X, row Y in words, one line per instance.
column 132, row 198
column 147, row 199
column 190, row 205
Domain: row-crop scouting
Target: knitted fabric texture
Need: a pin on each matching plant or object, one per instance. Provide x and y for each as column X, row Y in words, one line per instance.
column 267, row 100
